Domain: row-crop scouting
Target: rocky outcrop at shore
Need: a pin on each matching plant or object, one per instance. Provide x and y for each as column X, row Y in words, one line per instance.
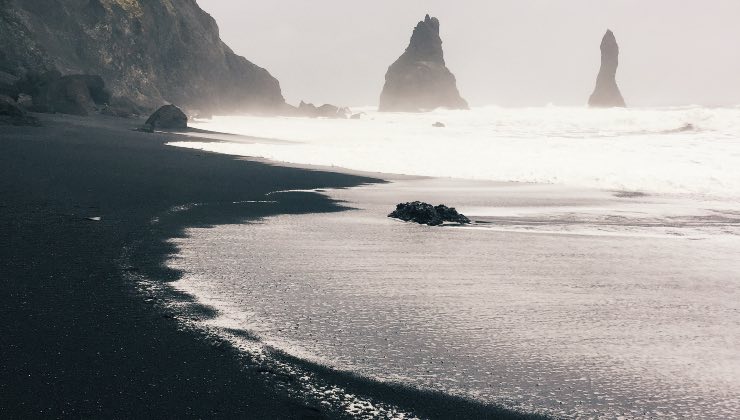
column 426, row 214
column 323, row 111
column 78, row 94
column 607, row 94
column 148, row 51
column 420, row 80
column 74, row 94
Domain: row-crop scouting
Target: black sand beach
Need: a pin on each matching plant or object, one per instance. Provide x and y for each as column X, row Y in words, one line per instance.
column 78, row 339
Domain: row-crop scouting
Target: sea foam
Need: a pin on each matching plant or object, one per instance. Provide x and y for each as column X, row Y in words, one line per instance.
column 687, row 150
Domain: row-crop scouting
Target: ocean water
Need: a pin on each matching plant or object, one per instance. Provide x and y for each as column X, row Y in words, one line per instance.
column 570, row 295
column 629, row 149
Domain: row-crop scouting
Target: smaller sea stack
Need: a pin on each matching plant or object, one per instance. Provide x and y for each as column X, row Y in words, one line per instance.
column 420, row 80
column 607, row 94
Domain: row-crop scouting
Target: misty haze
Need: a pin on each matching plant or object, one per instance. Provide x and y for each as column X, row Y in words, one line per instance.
column 387, row 210
column 504, row 52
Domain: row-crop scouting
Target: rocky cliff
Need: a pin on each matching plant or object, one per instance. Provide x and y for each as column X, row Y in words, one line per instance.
column 419, row 80
column 607, row 94
column 149, row 51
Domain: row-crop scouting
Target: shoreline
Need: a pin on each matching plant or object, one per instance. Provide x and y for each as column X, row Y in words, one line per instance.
column 326, row 265
column 79, row 339
column 518, row 204
column 530, row 211
column 623, row 150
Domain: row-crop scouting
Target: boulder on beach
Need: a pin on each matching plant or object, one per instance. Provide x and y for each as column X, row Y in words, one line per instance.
column 168, row 117
column 427, row 214
column 607, row 94
column 13, row 114
column 420, row 80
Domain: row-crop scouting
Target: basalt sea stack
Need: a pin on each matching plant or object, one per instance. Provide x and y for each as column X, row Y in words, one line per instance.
column 607, row 94
column 148, row 51
column 419, row 80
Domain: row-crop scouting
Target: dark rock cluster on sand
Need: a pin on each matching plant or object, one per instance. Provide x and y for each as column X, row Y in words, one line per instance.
column 168, row 117
column 427, row 214
column 419, row 80
column 149, row 51
column 607, row 94
column 13, row 114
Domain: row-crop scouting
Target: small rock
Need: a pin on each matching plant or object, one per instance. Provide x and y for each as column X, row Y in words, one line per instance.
column 439, row 125
column 629, row 194
column 684, row 128
column 426, row 214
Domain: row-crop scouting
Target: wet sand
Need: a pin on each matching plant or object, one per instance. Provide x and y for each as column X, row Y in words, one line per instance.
column 579, row 302
column 80, row 338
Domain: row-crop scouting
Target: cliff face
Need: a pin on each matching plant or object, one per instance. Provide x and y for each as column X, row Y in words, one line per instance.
column 150, row 51
column 419, row 80
column 607, row 94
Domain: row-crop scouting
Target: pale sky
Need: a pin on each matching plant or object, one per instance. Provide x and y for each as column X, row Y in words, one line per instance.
column 503, row 52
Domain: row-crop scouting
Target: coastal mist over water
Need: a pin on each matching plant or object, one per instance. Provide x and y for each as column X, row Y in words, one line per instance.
column 503, row 52
column 687, row 151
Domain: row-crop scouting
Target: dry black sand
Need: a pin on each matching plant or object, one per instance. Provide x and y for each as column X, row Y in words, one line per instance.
column 77, row 340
